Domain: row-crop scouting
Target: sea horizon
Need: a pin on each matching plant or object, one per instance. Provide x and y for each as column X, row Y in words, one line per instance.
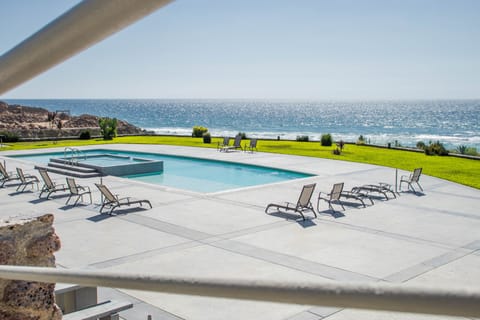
column 404, row 122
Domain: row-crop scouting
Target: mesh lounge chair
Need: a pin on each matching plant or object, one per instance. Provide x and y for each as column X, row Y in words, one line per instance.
column 411, row 179
column 303, row 203
column 6, row 176
column 237, row 144
column 113, row 201
column 252, row 146
column 78, row 191
column 381, row 188
column 337, row 193
column 333, row 196
column 48, row 185
column 26, row 180
column 225, row 143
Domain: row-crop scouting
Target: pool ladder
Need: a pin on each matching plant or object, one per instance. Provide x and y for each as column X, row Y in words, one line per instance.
column 71, row 155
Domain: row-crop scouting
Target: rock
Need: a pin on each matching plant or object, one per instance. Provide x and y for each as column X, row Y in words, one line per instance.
column 28, row 242
column 31, row 122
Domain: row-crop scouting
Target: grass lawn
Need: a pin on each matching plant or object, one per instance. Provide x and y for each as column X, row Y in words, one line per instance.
column 464, row 171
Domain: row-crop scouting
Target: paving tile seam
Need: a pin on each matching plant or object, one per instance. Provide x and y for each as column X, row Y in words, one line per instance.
column 455, row 214
column 457, row 195
column 291, row 262
column 391, row 235
column 253, row 230
column 426, row 266
column 331, row 312
column 184, row 232
column 304, row 315
column 144, row 254
column 167, row 227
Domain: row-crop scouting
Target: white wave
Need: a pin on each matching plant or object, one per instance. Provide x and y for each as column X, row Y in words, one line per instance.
column 450, row 141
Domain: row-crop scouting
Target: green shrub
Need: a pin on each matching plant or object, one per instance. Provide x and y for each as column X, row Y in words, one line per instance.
column 462, row 149
column 421, row 145
column 302, row 138
column 243, row 135
column 198, row 131
column 326, row 140
column 85, row 135
column 436, row 148
column 471, row 151
column 108, row 127
column 361, row 140
column 207, row 138
column 9, row 136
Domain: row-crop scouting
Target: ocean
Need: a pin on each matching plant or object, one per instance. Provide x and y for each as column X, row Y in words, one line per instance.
column 452, row 122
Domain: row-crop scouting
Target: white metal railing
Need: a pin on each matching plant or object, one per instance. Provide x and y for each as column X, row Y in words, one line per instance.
column 72, row 155
column 84, row 25
column 451, row 301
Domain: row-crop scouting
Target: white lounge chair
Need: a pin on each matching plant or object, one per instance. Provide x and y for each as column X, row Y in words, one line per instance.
column 26, row 180
column 77, row 191
column 337, row 193
column 49, row 185
column 237, row 144
column 7, row 176
column 411, row 179
column 251, row 146
column 113, row 201
column 303, row 204
column 223, row 144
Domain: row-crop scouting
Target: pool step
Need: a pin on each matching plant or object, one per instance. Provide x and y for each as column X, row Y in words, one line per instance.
column 73, row 171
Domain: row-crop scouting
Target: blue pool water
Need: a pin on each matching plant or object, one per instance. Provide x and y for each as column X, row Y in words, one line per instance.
column 107, row 160
column 193, row 174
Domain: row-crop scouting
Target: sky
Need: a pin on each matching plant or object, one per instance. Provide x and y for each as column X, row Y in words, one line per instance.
column 266, row 49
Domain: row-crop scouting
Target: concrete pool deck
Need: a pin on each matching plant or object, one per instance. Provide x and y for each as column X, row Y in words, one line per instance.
column 431, row 239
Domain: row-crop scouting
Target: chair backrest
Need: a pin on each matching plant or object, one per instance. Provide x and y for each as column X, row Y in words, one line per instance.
column 306, row 195
column 72, row 186
column 238, row 140
column 3, row 171
column 46, row 178
column 416, row 175
column 253, row 143
column 21, row 175
column 226, row 141
column 336, row 191
column 106, row 192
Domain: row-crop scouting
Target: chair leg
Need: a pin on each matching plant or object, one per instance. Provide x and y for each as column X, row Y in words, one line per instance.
column 78, row 198
column 419, row 186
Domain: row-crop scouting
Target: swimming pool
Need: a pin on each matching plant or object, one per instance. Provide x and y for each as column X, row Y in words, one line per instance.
column 200, row 175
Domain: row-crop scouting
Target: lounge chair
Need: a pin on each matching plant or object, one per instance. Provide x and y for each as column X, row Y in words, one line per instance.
column 225, row 143
column 411, row 179
column 337, row 193
column 113, row 201
column 48, row 184
column 26, row 180
column 303, row 204
column 237, row 144
column 381, row 188
column 78, row 191
column 7, row 176
column 252, row 146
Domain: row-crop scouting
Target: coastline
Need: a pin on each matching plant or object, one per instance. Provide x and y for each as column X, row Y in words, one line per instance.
column 403, row 123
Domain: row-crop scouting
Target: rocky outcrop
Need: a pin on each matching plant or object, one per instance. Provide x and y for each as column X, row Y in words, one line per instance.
column 31, row 122
column 28, row 242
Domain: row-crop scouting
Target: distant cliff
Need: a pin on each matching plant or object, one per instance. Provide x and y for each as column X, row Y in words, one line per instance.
column 31, row 122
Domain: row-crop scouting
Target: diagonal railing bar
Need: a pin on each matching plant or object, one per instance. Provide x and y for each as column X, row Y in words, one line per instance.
column 79, row 28
column 375, row 296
